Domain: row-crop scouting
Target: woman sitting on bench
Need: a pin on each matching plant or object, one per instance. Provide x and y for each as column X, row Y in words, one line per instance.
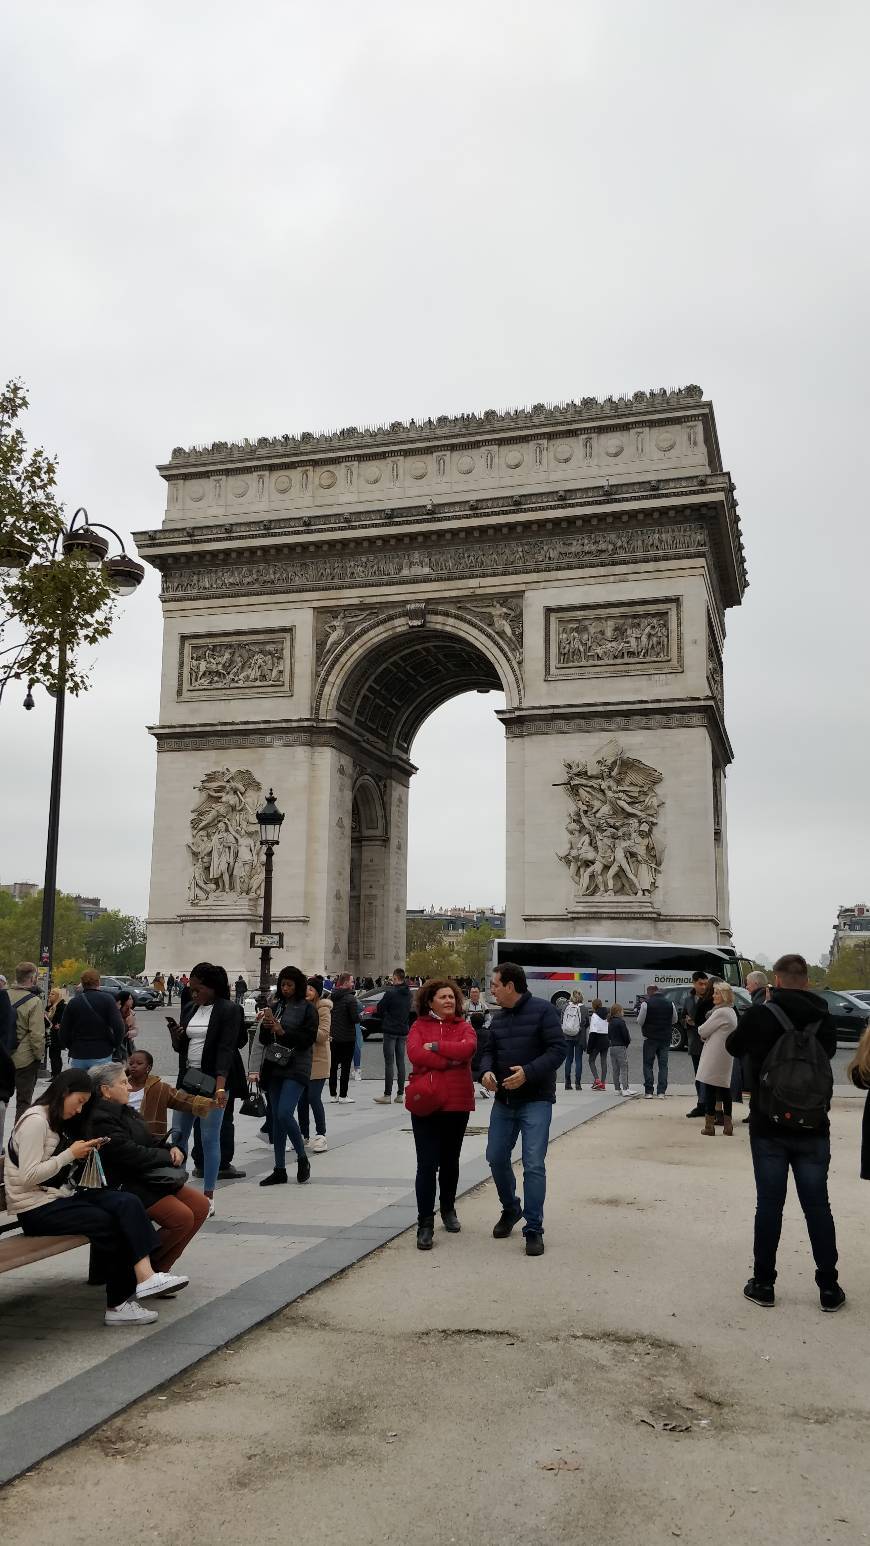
column 39, row 1156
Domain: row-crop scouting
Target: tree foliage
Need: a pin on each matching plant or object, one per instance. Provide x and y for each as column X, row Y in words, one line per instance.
column 420, row 933
column 437, row 960
column 44, row 601
column 851, row 968
column 115, row 943
column 473, row 950
column 21, row 929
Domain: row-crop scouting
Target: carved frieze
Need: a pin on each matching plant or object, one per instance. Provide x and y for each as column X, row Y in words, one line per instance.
column 235, row 665
column 715, row 679
column 607, row 640
column 611, row 829
column 529, row 554
column 224, row 847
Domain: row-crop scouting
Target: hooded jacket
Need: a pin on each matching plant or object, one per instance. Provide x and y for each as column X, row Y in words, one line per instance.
column 758, row 1031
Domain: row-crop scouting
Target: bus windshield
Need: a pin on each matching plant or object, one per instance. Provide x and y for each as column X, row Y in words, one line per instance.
column 614, row 970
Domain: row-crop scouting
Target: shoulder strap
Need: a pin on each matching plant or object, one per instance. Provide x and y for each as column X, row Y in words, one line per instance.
column 779, row 1014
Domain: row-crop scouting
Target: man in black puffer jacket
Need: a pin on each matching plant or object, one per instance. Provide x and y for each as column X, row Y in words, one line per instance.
column 394, row 1012
column 525, row 1051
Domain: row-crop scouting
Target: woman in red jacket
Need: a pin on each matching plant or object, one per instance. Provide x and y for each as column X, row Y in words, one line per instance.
column 441, row 1044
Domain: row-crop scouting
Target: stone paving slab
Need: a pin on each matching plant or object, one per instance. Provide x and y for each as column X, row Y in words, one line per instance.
column 64, row 1373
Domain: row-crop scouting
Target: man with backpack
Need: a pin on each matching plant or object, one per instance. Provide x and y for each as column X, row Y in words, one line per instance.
column 28, row 1034
column 789, row 1042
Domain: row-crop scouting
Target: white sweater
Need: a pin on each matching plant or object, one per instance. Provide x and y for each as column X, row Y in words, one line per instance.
column 39, row 1158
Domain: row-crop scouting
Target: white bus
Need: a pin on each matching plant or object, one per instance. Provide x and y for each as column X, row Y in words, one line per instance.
column 614, row 970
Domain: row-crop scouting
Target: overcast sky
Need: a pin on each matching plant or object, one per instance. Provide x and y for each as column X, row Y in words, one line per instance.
column 225, row 221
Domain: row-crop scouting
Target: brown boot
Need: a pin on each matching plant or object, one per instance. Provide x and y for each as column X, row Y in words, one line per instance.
column 728, row 1128
column 709, row 1128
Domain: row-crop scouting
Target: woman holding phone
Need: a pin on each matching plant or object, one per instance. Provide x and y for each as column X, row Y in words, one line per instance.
column 207, row 1042
column 281, row 1056
column 39, row 1157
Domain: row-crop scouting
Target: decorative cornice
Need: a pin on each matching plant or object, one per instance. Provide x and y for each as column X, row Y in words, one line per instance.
column 443, row 427
column 693, row 713
column 299, row 732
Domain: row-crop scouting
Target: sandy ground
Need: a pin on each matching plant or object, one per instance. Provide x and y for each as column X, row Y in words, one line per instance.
column 618, row 1390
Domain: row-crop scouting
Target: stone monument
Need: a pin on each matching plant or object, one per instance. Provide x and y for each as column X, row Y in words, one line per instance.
column 323, row 594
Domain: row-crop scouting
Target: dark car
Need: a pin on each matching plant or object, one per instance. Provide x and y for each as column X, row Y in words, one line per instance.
column 849, row 1015
column 369, row 1014
column 679, row 996
column 143, row 998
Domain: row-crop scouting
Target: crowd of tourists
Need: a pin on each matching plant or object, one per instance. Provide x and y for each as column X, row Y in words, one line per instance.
column 92, row 1155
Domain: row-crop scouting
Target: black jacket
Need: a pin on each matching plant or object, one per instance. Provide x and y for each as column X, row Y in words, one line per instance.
column 299, row 1023
column 220, row 1052
column 758, row 1031
column 394, row 1010
column 659, row 1018
column 7, row 1022
column 617, row 1032
column 865, row 1127
column 529, row 1035
column 92, row 1025
column 133, row 1151
column 696, row 1011
column 345, row 1016
column 7, row 1075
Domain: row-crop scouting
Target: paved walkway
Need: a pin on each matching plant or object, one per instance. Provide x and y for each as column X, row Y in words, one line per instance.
column 63, row 1371
column 620, row 1390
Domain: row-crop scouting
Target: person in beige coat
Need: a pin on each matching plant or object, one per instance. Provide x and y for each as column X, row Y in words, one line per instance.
column 320, row 1060
column 715, row 1067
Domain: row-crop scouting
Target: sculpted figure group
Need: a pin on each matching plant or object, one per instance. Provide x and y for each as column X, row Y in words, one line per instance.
column 611, row 843
column 224, row 842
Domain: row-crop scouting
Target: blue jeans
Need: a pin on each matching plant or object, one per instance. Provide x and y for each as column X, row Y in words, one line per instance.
column 809, row 1159
column 575, row 1053
column 312, row 1098
column 90, row 1062
column 210, row 1134
column 506, row 1125
column 652, row 1050
column 357, row 1048
column 285, row 1099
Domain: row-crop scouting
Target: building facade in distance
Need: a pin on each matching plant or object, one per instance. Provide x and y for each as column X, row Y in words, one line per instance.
column 851, row 928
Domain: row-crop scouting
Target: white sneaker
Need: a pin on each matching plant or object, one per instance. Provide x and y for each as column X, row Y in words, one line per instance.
column 357, row 1073
column 318, row 1145
column 660, row 1096
column 161, row 1283
column 210, row 1214
column 129, row 1314
column 345, row 1100
column 629, row 1091
column 647, row 1097
column 335, row 1099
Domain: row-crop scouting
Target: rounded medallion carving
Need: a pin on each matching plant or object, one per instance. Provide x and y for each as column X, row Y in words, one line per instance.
column 283, row 483
column 196, row 492
column 614, row 448
column 564, row 451
column 239, row 489
column 372, row 473
column 665, row 441
column 418, row 469
column 513, row 459
column 465, row 464
column 328, row 478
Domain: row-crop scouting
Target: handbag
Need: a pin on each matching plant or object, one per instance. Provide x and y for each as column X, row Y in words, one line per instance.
column 278, row 1055
column 195, row 1082
column 254, row 1104
column 422, row 1095
column 167, row 1178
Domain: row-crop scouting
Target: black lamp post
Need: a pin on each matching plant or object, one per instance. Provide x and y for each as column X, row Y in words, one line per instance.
column 269, row 819
column 124, row 574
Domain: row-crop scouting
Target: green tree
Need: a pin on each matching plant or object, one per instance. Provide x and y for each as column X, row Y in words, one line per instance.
column 42, row 601
column 20, row 931
column 852, row 967
column 115, row 943
column 420, row 933
column 473, row 950
column 437, row 960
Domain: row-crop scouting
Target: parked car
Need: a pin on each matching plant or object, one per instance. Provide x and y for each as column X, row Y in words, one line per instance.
column 679, row 996
column 370, row 1019
column 861, row 994
column 143, row 998
column 849, row 1014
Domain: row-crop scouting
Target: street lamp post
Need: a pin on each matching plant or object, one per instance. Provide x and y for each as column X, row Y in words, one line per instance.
column 269, row 819
column 124, row 574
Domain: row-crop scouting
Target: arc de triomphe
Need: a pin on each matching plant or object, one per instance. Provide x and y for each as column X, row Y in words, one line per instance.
column 323, row 594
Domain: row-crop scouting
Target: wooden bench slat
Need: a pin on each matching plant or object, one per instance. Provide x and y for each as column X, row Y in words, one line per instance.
column 22, row 1250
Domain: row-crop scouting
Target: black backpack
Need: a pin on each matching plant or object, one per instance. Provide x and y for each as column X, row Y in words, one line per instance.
column 795, row 1085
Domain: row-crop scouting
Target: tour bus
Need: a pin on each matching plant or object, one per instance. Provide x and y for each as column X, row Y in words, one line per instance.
column 614, row 970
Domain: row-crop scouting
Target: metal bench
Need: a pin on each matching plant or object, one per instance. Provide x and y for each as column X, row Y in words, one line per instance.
column 18, row 1250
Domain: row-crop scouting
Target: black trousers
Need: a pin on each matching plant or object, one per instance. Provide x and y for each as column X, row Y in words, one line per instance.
column 117, row 1226
column 438, row 1140
column 714, row 1092
column 341, row 1060
column 228, row 1137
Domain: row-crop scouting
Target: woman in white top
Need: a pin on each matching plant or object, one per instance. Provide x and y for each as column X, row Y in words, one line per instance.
column 598, row 1045
column 39, row 1156
column 716, row 1065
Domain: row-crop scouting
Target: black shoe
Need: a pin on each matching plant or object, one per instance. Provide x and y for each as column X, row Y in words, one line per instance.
column 303, row 1171
column 277, row 1178
column 697, row 1111
column 506, row 1224
column 568, row 1085
column 534, row 1243
column 230, row 1173
column 426, row 1233
column 450, row 1221
column 760, row 1293
column 198, row 1173
column 831, row 1299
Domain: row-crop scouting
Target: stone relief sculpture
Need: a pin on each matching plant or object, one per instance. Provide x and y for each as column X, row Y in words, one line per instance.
column 224, row 842
column 611, row 829
column 714, row 670
column 219, row 665
column 504, row 615
column 612, row 638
